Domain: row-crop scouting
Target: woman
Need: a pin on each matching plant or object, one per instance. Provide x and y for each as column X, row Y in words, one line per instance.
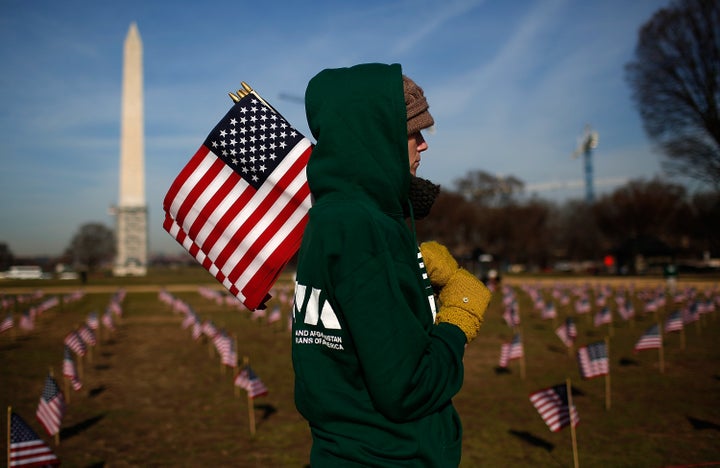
column 376, row 366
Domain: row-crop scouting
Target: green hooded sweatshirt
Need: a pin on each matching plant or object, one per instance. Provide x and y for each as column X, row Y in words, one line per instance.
column 374, row 376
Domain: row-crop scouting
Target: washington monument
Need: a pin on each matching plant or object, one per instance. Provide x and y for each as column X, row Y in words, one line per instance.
column 131, row 211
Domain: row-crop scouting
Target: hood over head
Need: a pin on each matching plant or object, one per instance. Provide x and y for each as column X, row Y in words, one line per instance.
column 358, row 118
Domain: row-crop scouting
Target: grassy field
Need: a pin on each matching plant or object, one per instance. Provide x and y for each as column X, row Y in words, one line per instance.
column 152, row 396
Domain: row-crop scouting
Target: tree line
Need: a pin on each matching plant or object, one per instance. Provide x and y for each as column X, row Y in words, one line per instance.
column 643, row 219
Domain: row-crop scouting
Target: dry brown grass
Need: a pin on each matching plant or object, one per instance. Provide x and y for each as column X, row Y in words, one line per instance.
column 154, row 397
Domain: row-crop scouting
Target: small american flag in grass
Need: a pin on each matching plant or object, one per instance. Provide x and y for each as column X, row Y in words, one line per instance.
column 70, row 370
column 51, row 407
column 593, row 360
column 75, row 342
column 552, row 404
column 26, row 447
column 651, row 339
column 511, row 350
column 567, row 332
column 674, row 322
column 247, row 379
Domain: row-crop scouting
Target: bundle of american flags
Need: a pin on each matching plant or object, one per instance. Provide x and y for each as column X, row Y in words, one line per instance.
column 240, row 205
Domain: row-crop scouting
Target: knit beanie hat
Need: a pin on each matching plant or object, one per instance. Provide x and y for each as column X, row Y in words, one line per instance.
column 418, row 117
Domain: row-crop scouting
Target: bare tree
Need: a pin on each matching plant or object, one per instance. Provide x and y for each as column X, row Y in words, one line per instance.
column 487, row 189
column 703, row 224
column 6, row 257
column 93, row 244
column 640, row 208
column 576, row 236
column 675, row 78
column 454, row 222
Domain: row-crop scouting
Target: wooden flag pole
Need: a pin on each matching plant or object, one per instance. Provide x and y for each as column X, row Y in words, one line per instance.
column 522, row 358
column 67, row 388
column 235, row 347
column 682, row 337
column 9, row 413
column 57, row 434
column 607, row 376
column 660, row 350
column 251, row 404
column 89, row 353
column 80, row 367
column 522, row 366
column 251, row 413
column 568, row 386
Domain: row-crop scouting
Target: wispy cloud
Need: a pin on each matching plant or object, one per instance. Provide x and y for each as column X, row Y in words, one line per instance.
column 430, row 20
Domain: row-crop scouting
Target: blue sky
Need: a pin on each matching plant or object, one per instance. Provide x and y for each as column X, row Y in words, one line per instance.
column 511, row 85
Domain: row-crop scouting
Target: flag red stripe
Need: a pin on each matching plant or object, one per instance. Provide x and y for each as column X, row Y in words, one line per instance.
column 186, row 173
column 265, row 277
column 202, row 185
column 222, row 227
column 237, row 236
column 215, row 201
column 238, row 189
column 268, row 233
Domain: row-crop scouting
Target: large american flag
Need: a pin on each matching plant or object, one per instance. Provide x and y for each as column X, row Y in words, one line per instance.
column 26, row 447
column 593, row 360
column 512, row 350
column 51, row 408
column 553, row 405
column 240, row 205
column 651, row 339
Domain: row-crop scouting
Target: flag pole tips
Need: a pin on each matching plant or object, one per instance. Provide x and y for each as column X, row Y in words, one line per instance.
column 234, row 97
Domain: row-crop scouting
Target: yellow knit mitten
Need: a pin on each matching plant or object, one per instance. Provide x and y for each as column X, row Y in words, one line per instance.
column 439, row 263
column 464, row 300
